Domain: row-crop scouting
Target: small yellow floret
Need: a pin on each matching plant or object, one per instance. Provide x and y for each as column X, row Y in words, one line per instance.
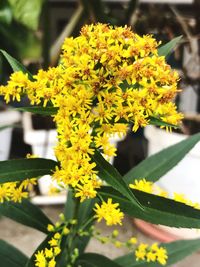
column 109, row 212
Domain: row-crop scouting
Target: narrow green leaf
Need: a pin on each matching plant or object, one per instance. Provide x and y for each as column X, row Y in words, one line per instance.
column 177, row 251
column 109, row 174
column 158, row 122
column 160, row 163
column 25, row 213
column 40, row 110
column 70, row 205
column 16, row 65
column 157, row 210
column 83, row 211
column 21, row 169
column 10, row 256
column 167, row 48
column 95, row 260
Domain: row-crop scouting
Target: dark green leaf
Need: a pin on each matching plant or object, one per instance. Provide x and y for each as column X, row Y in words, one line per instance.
column 16, row 65
column 21, row 169
column 160, row 163
column 109, row 174
column 95, row 260
column 167, row 48
column 70, row 205
column 40, row 110
column 177, row 251
column 157, row 210
column 83, row 211
column 10, row 256
column 25, row 213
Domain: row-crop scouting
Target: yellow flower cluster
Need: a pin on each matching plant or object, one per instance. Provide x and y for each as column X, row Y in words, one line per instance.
column 46, row 257
column 150, row 187
column 107, row 78
column 152, row 253
column 15, row 191
column 109, row 212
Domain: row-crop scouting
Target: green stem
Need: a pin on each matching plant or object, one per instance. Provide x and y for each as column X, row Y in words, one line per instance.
column 73, row 229
column 87, row 223
column 100, row 197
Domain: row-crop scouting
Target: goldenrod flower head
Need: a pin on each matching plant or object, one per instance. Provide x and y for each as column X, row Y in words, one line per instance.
column 53, row 242
column 57, row 236
column 57, row 251
column 108, row 78
column 15, row 191
column 66, row 231
column 115, row 233
column 109, row 212
column 40, row 259
column 46, row 257
column 118, row 244
column 48, row 253
column 52, row 263
column 133, row 240
column 150, row 187
column 142, row 185
column 151, row 253
column 50, row 228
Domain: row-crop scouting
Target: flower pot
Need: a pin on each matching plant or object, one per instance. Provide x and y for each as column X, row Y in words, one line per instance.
column 7, row 118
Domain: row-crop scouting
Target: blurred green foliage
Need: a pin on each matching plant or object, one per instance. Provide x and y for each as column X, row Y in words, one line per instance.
column 19, row 20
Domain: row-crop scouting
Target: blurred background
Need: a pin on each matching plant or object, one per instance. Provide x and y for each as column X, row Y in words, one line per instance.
column 33, row 32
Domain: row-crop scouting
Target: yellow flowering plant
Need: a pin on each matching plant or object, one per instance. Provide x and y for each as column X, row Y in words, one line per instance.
column 108, row 78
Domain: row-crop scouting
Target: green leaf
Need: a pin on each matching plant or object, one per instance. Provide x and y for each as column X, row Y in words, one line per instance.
column 70, row 205
column 10, row 256
column 177, row 251
column 25, row 213
column 160, row 163
column 157, row 210
column 95, row 260
column 158, row 122
column 109, row 174
column 167, row 48
column 27, row 12
column 5, row 13
column 16, row 65
column 83, row 211
column 40, row 110
column 21, row 169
